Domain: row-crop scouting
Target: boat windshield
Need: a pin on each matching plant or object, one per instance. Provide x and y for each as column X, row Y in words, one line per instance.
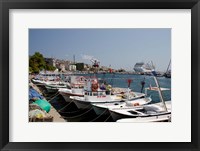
column 98, row 93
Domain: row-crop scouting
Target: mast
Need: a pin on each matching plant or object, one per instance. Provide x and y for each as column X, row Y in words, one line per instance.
column 160, row 93
column 158, row 86
column 168, row 66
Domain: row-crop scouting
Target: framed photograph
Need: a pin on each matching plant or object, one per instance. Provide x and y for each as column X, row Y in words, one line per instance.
column 99, row 75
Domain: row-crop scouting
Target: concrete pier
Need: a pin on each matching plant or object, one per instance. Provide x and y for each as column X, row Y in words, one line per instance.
column 56, row 116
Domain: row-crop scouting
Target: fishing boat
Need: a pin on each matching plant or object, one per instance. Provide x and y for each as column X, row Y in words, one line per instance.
column 156, row 109
column 54, row 87
column 156, row 118
column 67, row 92
column 131, row 95
column 50, row 77
column 39, row 81
column 77, row 81
column 125, row 104
column 91, row 97
column 149, row 110
column 94, row 95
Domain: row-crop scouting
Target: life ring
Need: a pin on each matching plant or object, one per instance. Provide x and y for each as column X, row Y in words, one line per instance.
column 94, row 87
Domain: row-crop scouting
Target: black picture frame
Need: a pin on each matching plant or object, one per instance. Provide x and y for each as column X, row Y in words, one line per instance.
column 5, row 5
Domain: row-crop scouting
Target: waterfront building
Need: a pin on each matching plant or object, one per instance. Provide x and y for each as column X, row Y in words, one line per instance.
column 72, row 67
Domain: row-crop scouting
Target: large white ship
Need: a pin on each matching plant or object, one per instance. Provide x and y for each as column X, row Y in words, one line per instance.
column 141, row 67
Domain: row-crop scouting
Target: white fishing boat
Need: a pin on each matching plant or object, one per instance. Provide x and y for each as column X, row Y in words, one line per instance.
column 54, row 87
column 44, row 78
column 125, row 104
column 39, row 82
column 149, row 110
column 130, row 95
column 130, row 99
column 95, row 94
column 67, row 92
column 156, row 118
column 77, row 81
column 91, row 97
column 156, row 109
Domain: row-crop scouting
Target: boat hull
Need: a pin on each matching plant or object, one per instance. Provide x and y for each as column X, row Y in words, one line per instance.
column 116, row 115
column 66, row 96
column 158, row 118
column 53, row 88
column 82, row 104
column 99, row 110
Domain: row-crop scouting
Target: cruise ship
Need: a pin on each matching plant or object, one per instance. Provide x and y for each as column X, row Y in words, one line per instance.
column 141, row 67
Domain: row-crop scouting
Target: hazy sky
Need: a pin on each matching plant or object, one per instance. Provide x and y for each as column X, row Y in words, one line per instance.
column 120, row 48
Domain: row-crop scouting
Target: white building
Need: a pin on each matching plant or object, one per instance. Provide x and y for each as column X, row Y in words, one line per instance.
column 72, row 67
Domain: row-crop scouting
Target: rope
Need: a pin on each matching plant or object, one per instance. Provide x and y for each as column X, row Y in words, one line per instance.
column 78, row 115
column 52, row 95
column 65, row 106
column 107, row 118
column 39, row 84
column 99, row 116
column 55, row 95
column 75, row 111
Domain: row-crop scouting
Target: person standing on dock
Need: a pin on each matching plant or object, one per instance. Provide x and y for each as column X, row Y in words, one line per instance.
column 142, row 83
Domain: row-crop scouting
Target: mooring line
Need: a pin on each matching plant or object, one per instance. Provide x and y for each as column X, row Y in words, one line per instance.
column 107, row 118
column 99, row 116
column 65, row 106
column 75, row 111
column 55, row 95
column 78, row 115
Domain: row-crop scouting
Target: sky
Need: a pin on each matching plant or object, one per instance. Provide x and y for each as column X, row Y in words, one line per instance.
column 117, row 48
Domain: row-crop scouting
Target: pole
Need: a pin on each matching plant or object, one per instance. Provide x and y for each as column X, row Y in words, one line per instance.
column 168, row 66
column 74, row 58
column 160, row 94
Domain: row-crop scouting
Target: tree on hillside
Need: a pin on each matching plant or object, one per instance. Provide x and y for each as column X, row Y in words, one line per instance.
column 50, row 68
column 37, row 63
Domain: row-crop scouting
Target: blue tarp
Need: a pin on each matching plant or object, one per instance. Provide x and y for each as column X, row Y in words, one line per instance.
column 34, row 94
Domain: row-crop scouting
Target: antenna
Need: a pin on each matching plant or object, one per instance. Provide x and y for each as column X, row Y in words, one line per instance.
column 74, row 58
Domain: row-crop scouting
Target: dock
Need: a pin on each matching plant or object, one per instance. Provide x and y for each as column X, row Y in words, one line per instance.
column 53, row 112
column 56, row 116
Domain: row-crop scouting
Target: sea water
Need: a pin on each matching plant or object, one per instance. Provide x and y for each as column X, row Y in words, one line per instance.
column 121, row 80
